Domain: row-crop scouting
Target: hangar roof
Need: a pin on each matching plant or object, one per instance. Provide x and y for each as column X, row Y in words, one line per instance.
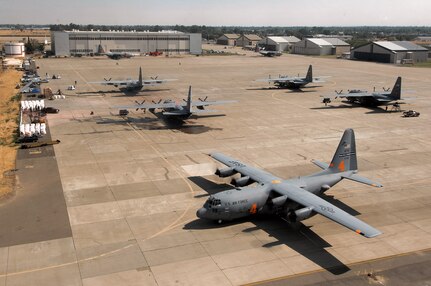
column 336, row 42
column 278, row 39
column 253, row 37
column 281, row 39
column 230, row 36
column 320, row 42
column 400, row 46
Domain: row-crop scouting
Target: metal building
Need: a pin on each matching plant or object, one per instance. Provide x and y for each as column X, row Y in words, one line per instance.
column 396, row 52
column 340, row 46
column 227, row 39
column 248, row 40
column 317, row 46
column 67, row 43
column 278, row 43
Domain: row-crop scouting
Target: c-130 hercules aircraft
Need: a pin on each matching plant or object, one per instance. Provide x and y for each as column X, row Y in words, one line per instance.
column 294, row 199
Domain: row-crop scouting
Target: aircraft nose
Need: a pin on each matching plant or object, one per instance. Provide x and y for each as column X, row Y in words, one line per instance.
column 201, row 213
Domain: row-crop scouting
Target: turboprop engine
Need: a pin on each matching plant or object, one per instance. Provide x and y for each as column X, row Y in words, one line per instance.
column 300, row 214
column 241, row 182
column 225, row 172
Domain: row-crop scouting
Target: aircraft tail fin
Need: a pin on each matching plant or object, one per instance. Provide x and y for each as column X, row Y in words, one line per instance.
column 345, row 157
column 309, row 76
column 396, row 90
column 189, row 100
column 140, row 75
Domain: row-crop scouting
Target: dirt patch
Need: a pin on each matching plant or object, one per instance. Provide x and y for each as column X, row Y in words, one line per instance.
column 25, row 33
column 9, row 112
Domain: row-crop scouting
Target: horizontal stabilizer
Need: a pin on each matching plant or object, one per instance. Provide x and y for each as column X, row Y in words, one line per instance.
column 204, row 111
column 319, row 164
column 363, row 180
column 207, row 103
column 174, row 113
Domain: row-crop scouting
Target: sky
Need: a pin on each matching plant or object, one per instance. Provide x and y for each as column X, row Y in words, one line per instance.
column 219, row 12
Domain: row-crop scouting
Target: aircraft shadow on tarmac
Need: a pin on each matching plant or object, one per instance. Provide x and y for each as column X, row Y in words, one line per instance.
column 132, row 93
column 299, row 238
column 340, row 205
column 188, row 126
column 209, row 186
column 372, row 109
column 289, row 90
column 296, row 236
column 151, row 123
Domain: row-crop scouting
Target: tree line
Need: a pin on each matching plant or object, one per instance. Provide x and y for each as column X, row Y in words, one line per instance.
column 213, row 32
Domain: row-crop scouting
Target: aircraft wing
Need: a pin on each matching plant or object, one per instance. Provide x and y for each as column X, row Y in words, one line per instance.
column 207, row 103
column 255, row 174
column 347, row 95
column 277, row 79
column 113, row 82
column 156, row 81
column 355, row 94
column 325, row 208
column 148, row 106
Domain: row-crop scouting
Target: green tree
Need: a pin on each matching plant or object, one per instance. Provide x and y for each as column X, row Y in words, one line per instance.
column 34, row 45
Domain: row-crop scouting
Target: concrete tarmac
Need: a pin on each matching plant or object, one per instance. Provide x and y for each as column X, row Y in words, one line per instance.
column 132, row 184
column 36, row 211
column 408, row 269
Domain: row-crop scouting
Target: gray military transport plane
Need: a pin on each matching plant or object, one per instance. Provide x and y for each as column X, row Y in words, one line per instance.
column 174, row 110
column 294, row 199
column 369, row 98
column 294, row 82
column 133, row 84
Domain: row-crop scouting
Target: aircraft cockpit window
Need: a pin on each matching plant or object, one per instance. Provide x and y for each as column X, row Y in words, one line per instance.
column 213, row 202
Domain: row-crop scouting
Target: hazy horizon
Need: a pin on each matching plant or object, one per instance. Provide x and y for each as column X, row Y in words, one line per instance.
column 245, row 13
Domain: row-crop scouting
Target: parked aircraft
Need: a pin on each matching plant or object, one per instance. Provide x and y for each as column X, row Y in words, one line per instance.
column 369, row 99
column 295, row 82
column 31, row 84
column 178, row 110
column 270, row 53
column 119, row 55
column 294, row 199
column 133, row 84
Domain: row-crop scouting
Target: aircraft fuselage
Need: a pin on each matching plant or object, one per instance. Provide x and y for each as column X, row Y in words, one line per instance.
column 241, row 202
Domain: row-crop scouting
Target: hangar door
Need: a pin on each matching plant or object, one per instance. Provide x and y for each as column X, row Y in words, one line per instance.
column 374, row 57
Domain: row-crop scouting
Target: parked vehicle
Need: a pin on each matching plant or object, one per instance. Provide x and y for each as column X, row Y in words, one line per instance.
column 411, row 113
column 51, row 110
